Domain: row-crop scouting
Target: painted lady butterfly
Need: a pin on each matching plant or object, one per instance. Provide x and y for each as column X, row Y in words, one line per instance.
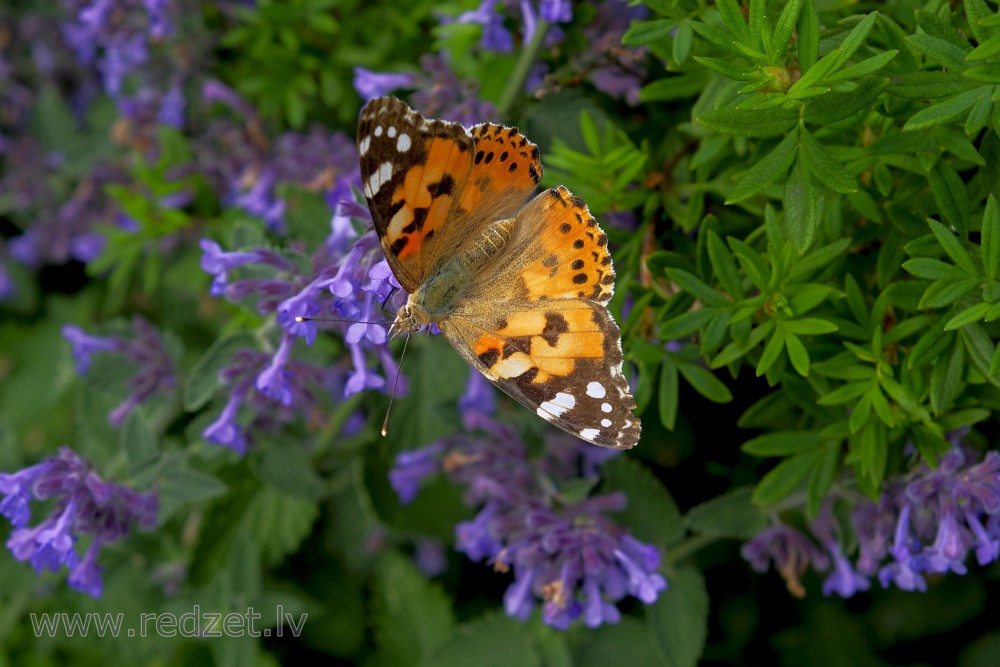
column 518, row 286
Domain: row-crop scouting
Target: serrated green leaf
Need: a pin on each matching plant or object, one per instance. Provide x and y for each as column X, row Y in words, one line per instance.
column 184, row 485
column 279, row 522
column 766, row 171
column 651, row 514
column 729, row 515
column 492, row 640
column 678, row 621
column 705, row 383
column 801, row 217
column 137, row 438
column 411, row 616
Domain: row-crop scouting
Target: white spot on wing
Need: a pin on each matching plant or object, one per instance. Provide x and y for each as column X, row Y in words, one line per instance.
column 403, row 143
column 590, row 433
column 557, row 406
column 596, row 390
column 392, row 132
column 385, row 172
column 605, row 407
column 375, row 181
column 378, row 131
column 365, row 143
column 605, row 423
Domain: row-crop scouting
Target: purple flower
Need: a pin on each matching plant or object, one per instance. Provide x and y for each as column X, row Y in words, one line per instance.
column 84, row 346
column 224, row 430
column 371, row 84
column 555, row 11
column 568, row 556
column 495, row 36
column 84, row 505
column 791, row 551
column 146, row 352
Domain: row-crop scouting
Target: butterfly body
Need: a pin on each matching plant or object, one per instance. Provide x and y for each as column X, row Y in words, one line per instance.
column 517, row 284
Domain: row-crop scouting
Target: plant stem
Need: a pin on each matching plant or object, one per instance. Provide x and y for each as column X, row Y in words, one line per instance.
column 524, row 62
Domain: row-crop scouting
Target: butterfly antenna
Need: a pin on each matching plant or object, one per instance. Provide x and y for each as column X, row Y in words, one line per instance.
column 399, row 369
column 299, row 318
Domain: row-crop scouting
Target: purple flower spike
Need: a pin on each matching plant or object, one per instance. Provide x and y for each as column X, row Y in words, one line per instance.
column 84, row 505
column 495, row 36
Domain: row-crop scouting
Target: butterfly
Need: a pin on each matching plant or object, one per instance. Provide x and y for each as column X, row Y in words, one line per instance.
column 517, row 283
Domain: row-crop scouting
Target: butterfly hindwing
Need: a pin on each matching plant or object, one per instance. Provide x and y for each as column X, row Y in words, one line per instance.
column 560, row 358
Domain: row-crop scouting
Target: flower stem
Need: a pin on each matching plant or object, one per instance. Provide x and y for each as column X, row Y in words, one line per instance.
column 524, row 62
column 687, row 548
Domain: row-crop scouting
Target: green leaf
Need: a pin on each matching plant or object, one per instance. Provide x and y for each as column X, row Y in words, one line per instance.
column 732, row 18
column 940, row 51
column 782, row 443
column 184, row 485
column 137, row 440
column 784, row 28
column 646, row 32
column 797, row 354
column 737, row 349
column 953, row 247
column 651, row 514
column 968, row 316
column 980, row 348
column 948, row 111
column 822, row 478
column 801, row 218
column 669, row 394
column 686, row 324
column 929, row 85
column 945, row 292
column 492, row 640
column 683, row 41
column 951, row 196
column 786, row 477
column 836, row 106
column 933, row 269
column 771, row 352
column 844, row 394
column 856, row 38
column 759, row 123
column 723, row 265
column 991, row 238
column 204, row 378
column 279, row 522
column 705, row 383
column 866, row 67
column 692, row 285
column 808, row 36
column 729, row 515
column 946, row 381
column 752, row 263
column 411, row 616
column 830, row 173
column 678, row 620
column 987, row 49
column 766, row 171
column 808, row 326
